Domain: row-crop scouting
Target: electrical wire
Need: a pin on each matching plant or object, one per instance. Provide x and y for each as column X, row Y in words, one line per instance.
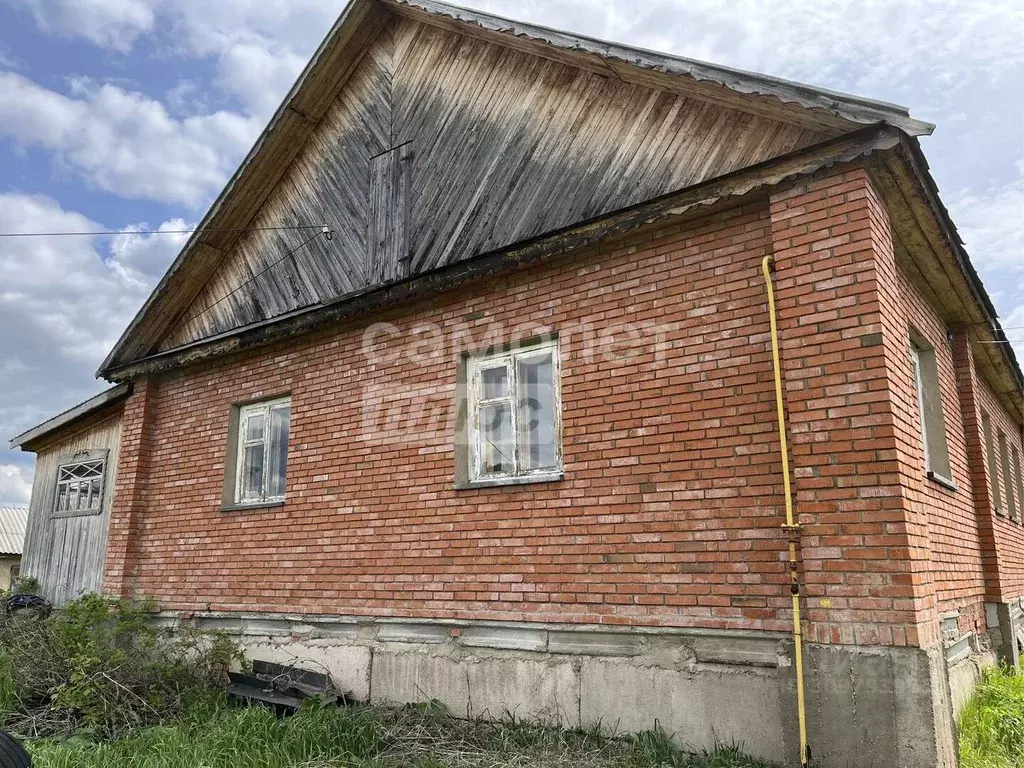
column 326, row 231
column 157, row 231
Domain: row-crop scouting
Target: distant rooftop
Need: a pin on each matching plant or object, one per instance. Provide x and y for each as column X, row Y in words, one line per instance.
column 13, row 523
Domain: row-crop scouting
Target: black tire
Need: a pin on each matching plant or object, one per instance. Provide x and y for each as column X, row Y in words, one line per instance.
column 12, row 754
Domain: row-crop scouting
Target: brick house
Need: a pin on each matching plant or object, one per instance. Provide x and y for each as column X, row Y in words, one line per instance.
column 464, row 389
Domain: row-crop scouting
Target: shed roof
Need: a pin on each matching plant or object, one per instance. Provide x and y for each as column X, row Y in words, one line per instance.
column 13, row 523
column 93, row 405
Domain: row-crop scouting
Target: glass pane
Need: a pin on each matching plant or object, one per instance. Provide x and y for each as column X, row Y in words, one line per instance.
column 496, row 440
column 62, row 497
column 278, row 450
column 535, row 382
column 252, row 472
column 494, row 383
column 95, row 494
column 254, row 427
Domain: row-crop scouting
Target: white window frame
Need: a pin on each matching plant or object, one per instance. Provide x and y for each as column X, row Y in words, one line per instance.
column 244, row 413
column 509, row 359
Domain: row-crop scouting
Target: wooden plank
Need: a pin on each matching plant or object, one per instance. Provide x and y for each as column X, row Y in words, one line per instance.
column 388, row 235
column 509, row 146
column 314, row 91
column 766, row 174
column 788, row 101
column 67, row 554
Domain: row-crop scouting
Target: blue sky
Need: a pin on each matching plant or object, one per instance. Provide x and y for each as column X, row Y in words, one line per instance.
column 130, row 114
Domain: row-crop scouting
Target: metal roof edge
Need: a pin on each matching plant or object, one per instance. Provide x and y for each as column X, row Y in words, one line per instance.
column 62, row 420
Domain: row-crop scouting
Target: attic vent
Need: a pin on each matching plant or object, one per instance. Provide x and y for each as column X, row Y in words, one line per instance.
column 388, row 238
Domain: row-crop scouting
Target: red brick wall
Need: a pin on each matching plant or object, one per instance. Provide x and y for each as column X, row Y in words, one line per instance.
column 1007, row 536
column 670, row 509
column 833, row 247
column 124, row 535
column 948, row 526
column 964, row 553
column 669, row 512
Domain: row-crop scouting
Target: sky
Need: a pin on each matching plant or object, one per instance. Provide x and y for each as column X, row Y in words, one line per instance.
column 129, row 116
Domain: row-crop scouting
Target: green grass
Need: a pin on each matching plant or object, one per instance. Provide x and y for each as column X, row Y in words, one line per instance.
column 364, row 737
column 991, row 725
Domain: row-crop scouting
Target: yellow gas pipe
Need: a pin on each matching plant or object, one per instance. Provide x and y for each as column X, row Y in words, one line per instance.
column 792, row 529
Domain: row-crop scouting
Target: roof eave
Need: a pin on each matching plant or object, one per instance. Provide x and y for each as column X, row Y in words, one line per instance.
column 803, row 162
column 64, row 420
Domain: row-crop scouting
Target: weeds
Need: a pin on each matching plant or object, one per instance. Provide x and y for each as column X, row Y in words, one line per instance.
column 363, row 737
column 97, row 666
column 93, row 685
column 239, row 738
column 991, row 725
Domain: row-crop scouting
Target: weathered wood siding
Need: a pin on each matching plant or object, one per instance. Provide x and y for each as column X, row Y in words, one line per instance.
column 66, row 554
column 474, row 146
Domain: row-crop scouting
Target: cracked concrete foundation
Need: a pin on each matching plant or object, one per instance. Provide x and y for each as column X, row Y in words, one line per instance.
column 867, row 706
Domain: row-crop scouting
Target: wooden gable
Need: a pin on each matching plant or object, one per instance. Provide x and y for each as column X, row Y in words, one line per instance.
column 442, row 146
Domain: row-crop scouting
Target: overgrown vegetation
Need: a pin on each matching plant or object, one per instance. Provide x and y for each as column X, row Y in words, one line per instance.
column 991, row 725
column 93, row 685
column 363, row 737
column 97, row 667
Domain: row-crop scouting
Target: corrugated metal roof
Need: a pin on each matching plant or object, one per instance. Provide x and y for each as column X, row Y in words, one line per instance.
column 13, row 522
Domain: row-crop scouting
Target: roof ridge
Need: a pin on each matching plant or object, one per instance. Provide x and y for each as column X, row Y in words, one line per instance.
column 699, row 69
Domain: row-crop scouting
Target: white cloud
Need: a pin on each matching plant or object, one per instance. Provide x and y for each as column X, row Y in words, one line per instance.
column 15, row 484
column 63, row 303
column 259, row 72
column 991, row 223
column 125, row 142
column 258, row 47
column 113, row 24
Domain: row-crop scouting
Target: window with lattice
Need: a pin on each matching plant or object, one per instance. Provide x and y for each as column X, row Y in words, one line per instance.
column 81, row 484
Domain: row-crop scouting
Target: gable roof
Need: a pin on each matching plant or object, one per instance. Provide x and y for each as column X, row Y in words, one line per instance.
column 13, row 524
column 358, row 26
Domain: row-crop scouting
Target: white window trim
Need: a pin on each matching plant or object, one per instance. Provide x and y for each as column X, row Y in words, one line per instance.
column 244, row 412
column 474, row 368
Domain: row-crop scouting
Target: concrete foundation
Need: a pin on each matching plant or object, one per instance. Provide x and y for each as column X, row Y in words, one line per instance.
column 1006, row 628
column 868, row 707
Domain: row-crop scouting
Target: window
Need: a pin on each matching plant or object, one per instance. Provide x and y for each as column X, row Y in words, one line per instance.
column 262, row 451
column 929, row 408
column 514, row 419
column 990, row 459
column 1004, row 458
column 80, row 484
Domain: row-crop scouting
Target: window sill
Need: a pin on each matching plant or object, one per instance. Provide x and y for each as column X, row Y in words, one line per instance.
column 256, row 505
column 491, row 482
column 76, row 513
column 945, row 482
